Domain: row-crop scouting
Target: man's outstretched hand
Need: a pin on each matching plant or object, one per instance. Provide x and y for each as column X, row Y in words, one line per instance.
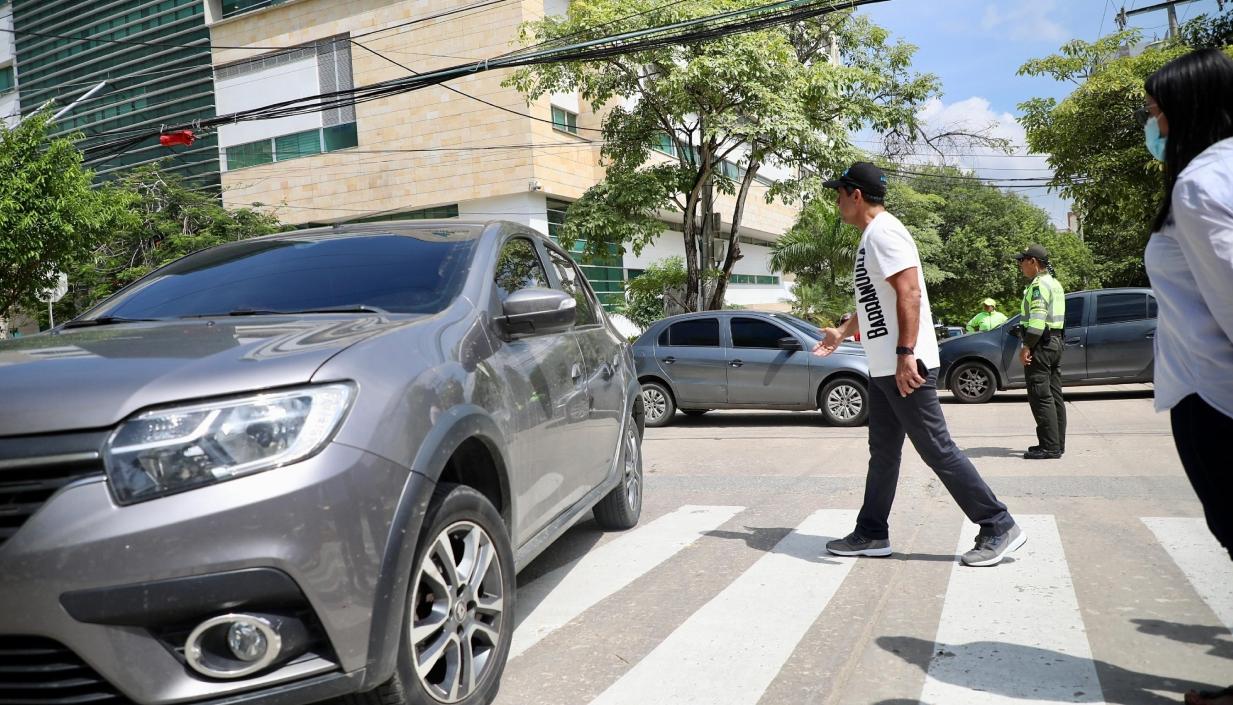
column 830, row 341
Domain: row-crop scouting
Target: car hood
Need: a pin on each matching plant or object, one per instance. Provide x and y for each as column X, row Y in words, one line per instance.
column 94, row 377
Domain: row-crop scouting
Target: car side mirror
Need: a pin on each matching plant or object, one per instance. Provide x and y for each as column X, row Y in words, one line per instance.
column 789, row 343
column 536, row 311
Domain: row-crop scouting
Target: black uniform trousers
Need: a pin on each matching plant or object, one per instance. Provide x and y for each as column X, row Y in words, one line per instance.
column 1044, row 387
column 1202, row 435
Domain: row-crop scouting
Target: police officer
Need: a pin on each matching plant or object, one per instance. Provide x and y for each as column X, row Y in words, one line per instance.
column 988, row 319
column 1044, row 311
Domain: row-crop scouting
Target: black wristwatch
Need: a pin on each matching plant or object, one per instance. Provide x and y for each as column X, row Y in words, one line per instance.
column 900, row 350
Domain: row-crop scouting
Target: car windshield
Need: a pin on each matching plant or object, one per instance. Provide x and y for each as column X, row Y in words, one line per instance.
column 410, row 272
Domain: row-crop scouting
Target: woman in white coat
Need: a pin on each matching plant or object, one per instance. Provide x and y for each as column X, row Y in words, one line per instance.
column 1188, row 124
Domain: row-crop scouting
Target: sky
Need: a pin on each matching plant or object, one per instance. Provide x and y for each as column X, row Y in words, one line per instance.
column 976, row 46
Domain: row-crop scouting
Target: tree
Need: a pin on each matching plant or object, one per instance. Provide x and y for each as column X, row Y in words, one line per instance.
column 49, row 214
column 164, row 220
column 1203, row 31
column 647, row 295
column 722, row 110
column 1096, row 149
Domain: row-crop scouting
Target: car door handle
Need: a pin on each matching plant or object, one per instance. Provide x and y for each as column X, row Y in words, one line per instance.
column 606, row 372
column 1151, row 336
column 736, row 363
column 669, row 360
column 1073, row 341
column 575, row 372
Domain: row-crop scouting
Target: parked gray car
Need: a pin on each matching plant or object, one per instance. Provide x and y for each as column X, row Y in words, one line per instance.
column 1108, row 338
column 696, row 362
column 304, row 466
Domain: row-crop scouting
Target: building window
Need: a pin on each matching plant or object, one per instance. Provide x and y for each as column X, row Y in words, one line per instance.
column 564, row 120
column 235, row 7
column 292, row 146
column 434, row 213
column 762, row 279
column 7, row 80
column 665, row 144
column 605, row 272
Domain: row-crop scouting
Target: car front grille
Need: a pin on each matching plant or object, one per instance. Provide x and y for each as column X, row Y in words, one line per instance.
column 39, row 671
column 33, row 468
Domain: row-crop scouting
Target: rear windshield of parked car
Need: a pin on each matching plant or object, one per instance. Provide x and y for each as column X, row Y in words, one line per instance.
column 399, row 273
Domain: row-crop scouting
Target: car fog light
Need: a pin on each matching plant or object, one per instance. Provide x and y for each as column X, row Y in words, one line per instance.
column 247, row 642
column 238, row 645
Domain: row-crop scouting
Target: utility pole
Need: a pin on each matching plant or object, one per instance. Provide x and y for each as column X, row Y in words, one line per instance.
column 1171, row 5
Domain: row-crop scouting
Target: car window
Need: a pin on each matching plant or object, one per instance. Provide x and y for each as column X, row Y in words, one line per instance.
column 1116, row 308
column 696, row 332
column 756, row 333
column 419, row 272
column 1074, row 311
column 800, row 324
column 571, row 283
column 518, row 267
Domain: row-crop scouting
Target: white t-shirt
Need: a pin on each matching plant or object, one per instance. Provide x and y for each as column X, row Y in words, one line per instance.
column 886, row 249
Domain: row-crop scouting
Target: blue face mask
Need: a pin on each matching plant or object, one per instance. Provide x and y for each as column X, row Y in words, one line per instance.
column 1155, row 142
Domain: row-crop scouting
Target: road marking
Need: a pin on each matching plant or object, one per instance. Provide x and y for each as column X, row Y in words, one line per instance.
column 1013, row 633
column 1206, row 565
column 730, row 650
column 551, row 601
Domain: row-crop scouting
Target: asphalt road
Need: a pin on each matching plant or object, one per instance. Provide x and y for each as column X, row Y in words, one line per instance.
column 724, row 594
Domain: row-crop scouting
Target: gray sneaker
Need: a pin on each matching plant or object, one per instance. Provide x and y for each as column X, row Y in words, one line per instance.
column 990, row 550
column 856, row 545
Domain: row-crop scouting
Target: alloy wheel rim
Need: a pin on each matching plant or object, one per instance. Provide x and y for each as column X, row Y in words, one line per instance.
column 654, row 403
column 633, row 470
column 844, row 402
column 972, row 382
column 456, row 611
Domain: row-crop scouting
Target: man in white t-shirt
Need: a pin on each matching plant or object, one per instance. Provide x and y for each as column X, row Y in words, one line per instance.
column 896, row 329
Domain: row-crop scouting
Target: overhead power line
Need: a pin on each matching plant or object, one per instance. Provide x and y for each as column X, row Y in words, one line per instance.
column 677, row 34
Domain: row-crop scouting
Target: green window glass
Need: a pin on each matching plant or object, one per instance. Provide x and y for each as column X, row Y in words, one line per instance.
column 235, row 7
column 664, row 143
column 564, row 120
column 341, row 137
column 250, row 154
column 436, row 212
column 296, row 145
column 7, row 81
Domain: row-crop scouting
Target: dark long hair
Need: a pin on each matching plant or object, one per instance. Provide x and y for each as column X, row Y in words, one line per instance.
column 1195, row 92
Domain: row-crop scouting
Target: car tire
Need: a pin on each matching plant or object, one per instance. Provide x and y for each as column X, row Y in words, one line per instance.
column 844, row 402
column 459, row 526
column 658, row 404
column 694, row 412
column 620, row 509
column 973, row 383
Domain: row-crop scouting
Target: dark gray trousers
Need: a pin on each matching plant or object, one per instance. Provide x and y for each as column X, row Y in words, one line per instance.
column 919, row 417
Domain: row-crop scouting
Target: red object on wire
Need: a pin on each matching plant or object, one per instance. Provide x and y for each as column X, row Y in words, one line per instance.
column 184, row 137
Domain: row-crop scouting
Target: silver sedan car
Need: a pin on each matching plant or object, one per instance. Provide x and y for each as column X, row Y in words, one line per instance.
column 696, row 362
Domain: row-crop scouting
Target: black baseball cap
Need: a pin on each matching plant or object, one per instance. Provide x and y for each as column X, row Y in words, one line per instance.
column 862, row 175
column 1036, row 252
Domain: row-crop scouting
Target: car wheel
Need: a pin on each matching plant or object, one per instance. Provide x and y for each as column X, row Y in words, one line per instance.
column 620, row 509
column 657, row 403
column 973, row 383
column 844, row 402
column 694, row 412
column 460, row 613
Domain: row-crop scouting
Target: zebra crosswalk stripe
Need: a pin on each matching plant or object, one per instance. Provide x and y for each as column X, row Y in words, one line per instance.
column 1013, row 633
column 547, row 604
column 730, row 650
column 1201, row 559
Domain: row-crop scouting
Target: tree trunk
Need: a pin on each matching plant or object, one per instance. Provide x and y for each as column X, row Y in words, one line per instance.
column 734, row 244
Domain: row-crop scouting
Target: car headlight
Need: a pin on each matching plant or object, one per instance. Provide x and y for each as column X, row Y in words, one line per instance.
column 170, row 450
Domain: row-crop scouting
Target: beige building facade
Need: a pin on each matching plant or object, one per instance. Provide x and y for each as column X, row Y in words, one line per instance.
column 472, row 149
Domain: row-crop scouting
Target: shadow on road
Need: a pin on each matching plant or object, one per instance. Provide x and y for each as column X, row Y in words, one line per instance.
column 811, row 419
column 980, row 673
column 770, row 540
column 1218, row 639
column 572, row 545
column 993, row 452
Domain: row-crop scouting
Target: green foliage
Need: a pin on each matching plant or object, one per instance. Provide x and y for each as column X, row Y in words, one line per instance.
column 1096, row 149
column 645, row 295
column 49, row 215
column 967, row 231
column 1205, row 32
column 750, row 99
column 821, row 303
column 163, row 220
column 818, row 248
